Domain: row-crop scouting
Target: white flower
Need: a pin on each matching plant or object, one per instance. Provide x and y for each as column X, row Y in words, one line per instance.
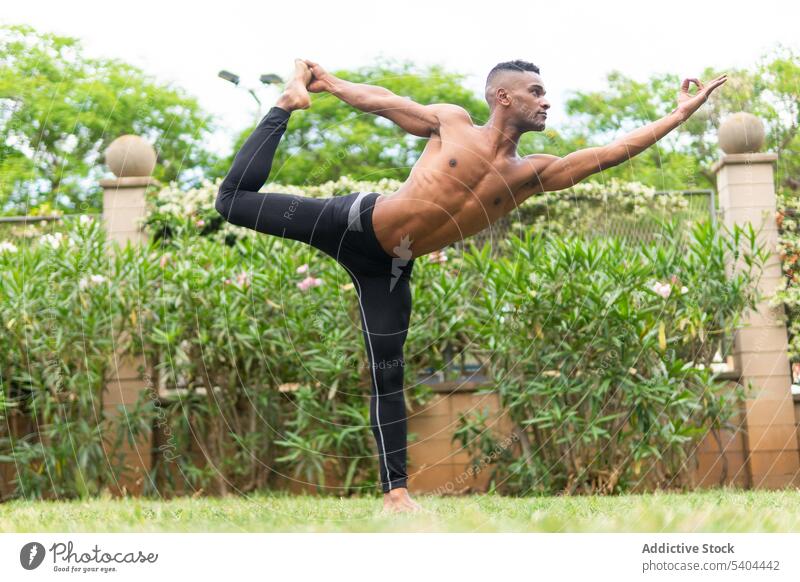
column 91, row 280
column 54, row 240
column 684, row 289
column 7, row 247
column 85, row 219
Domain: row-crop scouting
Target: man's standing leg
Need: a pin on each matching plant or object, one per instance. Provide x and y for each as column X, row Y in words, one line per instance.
column 385, row 314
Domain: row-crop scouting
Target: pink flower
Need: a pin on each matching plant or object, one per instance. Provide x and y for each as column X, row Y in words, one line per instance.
column 243, row 279
column 663, row 289
column 200, row 223
column 438, row 257
column 302, row 269
column 309, row 282
column 164, row 260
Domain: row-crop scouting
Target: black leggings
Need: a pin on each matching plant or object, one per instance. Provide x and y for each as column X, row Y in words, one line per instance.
column 341, row 227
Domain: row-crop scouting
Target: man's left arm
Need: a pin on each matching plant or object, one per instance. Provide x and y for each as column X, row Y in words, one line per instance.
column 553, row 173
column 412, row 117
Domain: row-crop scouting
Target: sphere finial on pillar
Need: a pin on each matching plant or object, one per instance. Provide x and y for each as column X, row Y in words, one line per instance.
column 741, row 133
column 131, row 155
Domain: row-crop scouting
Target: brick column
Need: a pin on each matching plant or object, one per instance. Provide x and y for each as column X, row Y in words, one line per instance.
column 747, row 194
column 132, row 160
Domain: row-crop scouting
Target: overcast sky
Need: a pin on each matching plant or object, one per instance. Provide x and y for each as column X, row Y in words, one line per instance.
column 574, row 43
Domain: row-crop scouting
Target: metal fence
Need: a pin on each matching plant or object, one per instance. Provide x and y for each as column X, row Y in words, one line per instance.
column 642, row 229
column 21, row 228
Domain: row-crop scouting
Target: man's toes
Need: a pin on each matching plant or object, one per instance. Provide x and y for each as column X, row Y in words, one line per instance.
column 302, row 71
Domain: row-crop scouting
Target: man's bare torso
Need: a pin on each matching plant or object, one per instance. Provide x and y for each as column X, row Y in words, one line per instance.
column 459, row 186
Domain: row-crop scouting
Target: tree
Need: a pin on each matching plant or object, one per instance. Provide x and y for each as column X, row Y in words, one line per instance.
column 59, row 110
column 683, row 159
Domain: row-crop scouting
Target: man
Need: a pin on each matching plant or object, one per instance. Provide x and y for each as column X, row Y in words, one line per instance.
column 467, row 177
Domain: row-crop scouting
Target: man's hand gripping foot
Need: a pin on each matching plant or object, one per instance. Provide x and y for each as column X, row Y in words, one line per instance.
column 295, row 95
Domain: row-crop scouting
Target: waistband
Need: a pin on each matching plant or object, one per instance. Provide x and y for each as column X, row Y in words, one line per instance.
column 359, row 219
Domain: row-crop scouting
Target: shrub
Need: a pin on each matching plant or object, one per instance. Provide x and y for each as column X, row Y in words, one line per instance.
column 788, row 292
column 602, row 352
column 606, row 376
column 264, row 374
column 61, row 310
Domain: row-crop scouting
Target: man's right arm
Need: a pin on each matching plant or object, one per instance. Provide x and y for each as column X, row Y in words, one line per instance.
column 416, row 119
column 552, row 173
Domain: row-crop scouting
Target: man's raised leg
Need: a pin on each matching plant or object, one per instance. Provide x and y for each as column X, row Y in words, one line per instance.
column 238, row 199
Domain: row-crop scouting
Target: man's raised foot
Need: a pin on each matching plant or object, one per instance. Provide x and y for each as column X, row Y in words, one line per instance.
column 295, row 95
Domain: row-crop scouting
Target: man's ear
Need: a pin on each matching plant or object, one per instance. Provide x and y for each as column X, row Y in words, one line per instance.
column 501, row 97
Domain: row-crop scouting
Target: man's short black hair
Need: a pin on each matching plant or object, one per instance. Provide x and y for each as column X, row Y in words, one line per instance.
column 517, row 65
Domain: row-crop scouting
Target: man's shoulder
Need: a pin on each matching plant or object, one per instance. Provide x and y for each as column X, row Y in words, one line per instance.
column 451, row 112
column 540, row 161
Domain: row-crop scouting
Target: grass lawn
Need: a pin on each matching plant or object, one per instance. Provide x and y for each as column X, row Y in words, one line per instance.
column 720, row 510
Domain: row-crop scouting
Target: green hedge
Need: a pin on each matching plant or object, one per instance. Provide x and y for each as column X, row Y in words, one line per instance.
column 603, row 355
column 270, row 379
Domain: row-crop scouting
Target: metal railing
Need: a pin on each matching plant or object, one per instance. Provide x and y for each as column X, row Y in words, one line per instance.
column 45, row 218
column 640, row 230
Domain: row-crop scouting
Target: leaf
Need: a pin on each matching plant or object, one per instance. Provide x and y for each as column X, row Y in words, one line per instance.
column 662, row 337
column 351, row 471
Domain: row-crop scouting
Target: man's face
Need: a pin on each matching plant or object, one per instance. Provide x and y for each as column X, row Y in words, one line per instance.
column 528, row 104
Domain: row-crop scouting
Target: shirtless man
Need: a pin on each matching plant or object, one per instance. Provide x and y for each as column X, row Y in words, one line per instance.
column 467, row 178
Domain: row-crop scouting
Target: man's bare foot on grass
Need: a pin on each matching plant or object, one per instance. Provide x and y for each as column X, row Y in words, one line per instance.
column 295, row 95
column 398, row 501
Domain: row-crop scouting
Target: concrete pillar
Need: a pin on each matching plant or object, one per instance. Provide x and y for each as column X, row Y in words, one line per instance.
column 745, row 184
column 132, row 160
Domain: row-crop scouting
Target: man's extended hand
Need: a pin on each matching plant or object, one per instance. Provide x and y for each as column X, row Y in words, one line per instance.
column 688, row 104
column 321, row 80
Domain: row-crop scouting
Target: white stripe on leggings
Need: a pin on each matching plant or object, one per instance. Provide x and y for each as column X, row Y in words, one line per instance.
column 371, row 357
